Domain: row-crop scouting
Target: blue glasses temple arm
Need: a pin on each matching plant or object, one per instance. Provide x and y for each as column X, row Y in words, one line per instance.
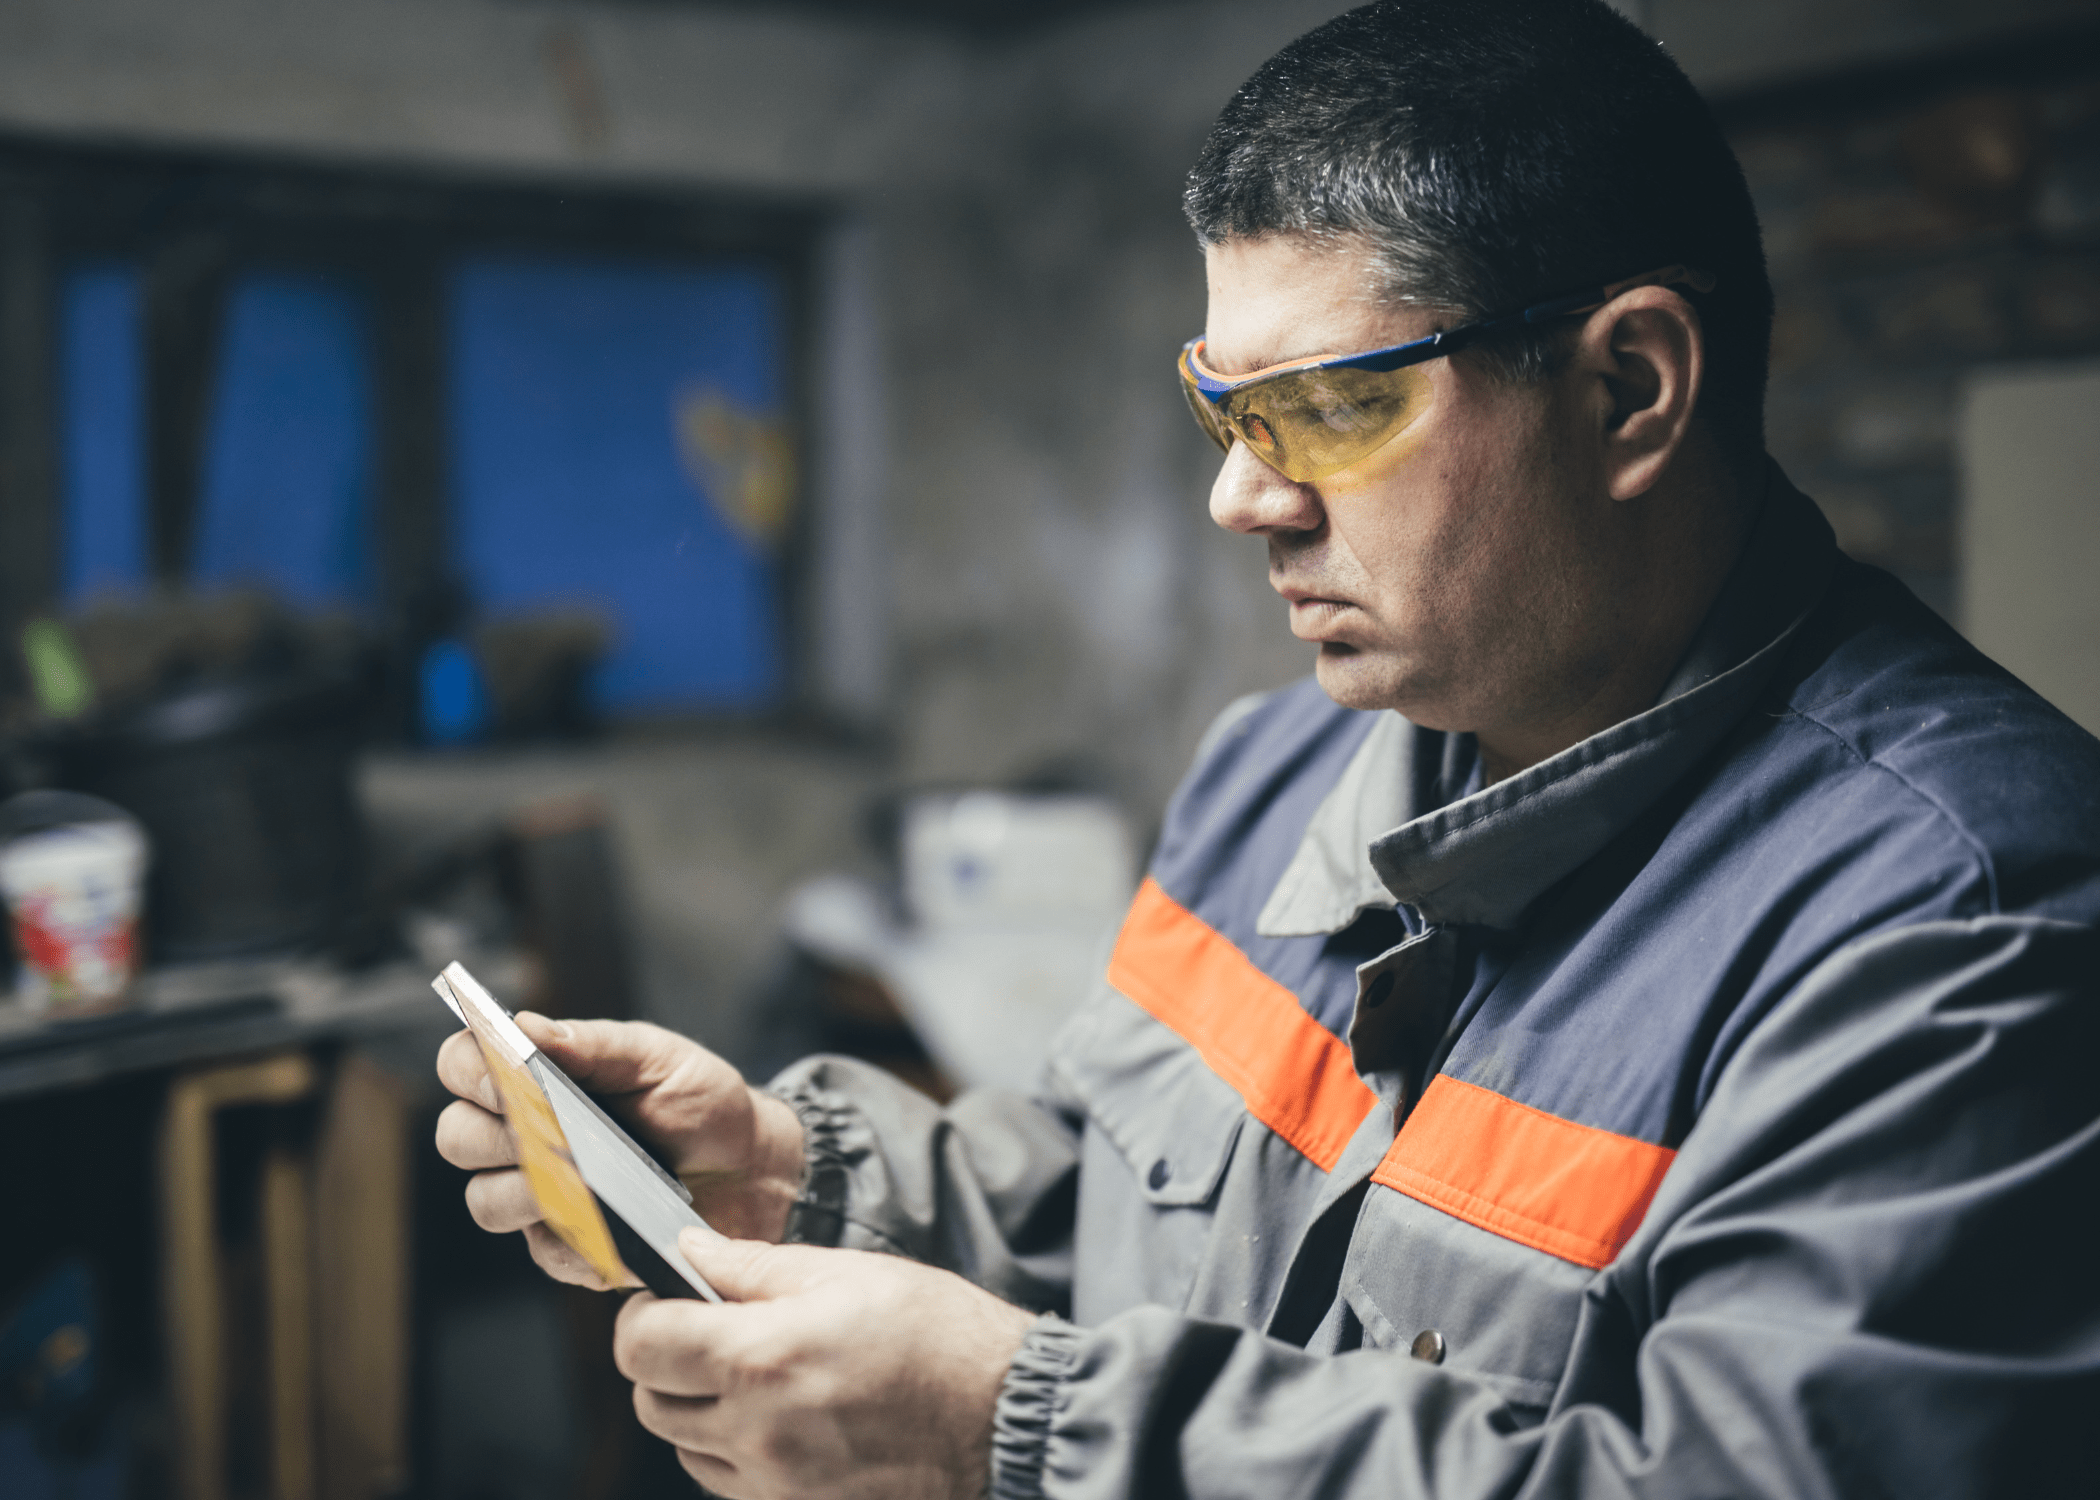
column 1451, row 340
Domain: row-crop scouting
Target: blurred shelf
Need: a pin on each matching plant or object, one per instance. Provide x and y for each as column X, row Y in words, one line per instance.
column 200, row 1012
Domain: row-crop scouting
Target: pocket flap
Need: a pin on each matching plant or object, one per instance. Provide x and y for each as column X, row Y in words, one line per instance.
column 1170, row 1117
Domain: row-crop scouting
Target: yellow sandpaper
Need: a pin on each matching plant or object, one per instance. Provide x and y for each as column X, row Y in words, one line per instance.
column 564, row 1199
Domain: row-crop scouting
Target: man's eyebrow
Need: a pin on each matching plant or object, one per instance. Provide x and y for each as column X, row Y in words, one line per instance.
column 1262, row 359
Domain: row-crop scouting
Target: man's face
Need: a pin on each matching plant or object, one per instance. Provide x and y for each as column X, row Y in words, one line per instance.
column 1471, row 573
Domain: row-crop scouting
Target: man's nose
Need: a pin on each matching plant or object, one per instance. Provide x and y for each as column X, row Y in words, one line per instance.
column 1250, row 497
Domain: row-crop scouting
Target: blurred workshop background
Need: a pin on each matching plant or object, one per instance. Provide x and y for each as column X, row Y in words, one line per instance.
column 682, row 504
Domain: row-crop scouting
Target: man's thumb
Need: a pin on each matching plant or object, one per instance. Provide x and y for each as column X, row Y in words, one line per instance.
column 615, row 1057
column 545, row 1032
column 742, row 1270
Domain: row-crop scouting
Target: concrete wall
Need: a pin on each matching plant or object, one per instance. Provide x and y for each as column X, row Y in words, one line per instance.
column 1051, row 584
column 2030, row 530
column 626, row 91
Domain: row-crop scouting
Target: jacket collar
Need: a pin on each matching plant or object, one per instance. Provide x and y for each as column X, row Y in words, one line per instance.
column 1484, row 858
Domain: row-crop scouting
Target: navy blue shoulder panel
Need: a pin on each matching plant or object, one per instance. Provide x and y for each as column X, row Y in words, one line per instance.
column 1891, row 776
column 1239, row 817
column 2012, row 776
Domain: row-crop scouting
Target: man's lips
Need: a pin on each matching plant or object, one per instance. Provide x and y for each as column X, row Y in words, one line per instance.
column 1311, row 611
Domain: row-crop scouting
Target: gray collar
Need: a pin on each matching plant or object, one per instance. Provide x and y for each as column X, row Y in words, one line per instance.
column 1329, row 882
column 1486, row 857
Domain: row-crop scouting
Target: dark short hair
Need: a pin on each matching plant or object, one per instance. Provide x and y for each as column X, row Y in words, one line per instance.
column 1495, row 153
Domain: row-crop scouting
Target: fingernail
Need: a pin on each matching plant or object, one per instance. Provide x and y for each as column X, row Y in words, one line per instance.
column 559, row 1028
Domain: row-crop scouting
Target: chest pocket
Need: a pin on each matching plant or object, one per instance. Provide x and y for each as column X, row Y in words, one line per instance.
column 1487, row 1221
column 1160, row 1132
column 1505, row 1313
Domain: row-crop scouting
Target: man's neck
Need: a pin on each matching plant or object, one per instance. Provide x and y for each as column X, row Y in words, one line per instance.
column 1701, row 517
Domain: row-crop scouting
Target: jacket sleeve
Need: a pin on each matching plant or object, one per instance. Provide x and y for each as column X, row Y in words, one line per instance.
column 1869, row 1272
column 985, row 1187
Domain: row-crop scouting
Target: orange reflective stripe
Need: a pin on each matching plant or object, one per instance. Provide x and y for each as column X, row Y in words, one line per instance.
column 1296, row 1076
column 1570, row 1190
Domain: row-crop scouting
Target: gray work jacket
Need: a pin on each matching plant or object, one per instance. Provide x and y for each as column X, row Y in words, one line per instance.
column 1707, row 1110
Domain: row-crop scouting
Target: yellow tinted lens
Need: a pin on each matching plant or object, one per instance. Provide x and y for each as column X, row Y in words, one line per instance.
column 1312, row 424
column 1207, row 416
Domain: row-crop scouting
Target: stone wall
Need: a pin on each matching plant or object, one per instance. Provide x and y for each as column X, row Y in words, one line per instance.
column 1919, row 224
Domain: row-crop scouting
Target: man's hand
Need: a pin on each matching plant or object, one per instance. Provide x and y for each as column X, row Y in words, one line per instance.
column 740, row 1151
column 828, row 1373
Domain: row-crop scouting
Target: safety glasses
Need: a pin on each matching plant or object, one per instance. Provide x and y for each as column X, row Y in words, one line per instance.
column 1309, row 418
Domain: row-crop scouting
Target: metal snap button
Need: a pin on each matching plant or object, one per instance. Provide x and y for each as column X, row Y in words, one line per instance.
column 1428, row 1347
column 1378, row 991
column 1157, row 1177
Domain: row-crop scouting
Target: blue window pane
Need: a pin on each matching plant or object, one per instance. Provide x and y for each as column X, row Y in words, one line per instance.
column 285, row 497
column 618, row 444
column 102, row 442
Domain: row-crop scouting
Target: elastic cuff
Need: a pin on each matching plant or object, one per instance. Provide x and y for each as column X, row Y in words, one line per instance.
column 818, row 1214
column 1029, row 1399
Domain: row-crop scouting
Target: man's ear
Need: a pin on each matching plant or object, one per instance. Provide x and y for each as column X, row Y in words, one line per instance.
column 1647, row 351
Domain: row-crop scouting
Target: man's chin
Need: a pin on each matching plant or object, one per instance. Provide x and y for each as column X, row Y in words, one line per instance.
column 1357, row 679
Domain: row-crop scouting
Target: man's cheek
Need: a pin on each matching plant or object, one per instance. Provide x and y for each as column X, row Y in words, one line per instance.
column 1382, row 467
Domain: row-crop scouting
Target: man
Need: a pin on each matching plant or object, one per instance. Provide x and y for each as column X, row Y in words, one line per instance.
column 1628, row 1030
